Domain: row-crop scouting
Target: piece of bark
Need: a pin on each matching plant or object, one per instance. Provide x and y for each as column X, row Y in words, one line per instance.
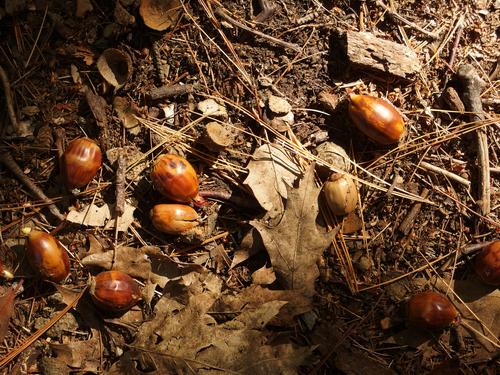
column 98, row 107
column 168, row 91
column 365, row 51
column 409, row 220
column 120, row 185
column 472, row 86
column 452, row 100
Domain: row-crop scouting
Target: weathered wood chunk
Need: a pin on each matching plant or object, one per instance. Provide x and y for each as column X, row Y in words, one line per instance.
column 364, row 50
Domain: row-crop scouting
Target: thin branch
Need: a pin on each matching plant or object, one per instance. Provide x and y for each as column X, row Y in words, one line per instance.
column 8, row 99
column 399, row 17
column 472, row 86
column 242, row 26
column 11, row 164
column 444, row 172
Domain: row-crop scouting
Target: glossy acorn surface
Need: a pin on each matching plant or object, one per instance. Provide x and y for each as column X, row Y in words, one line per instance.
column 175, row 178
column 431, row 310
column 46, row 256
column 114, row 291
column 341, row 194
column 376, row 118
column 81, row 161
column 174, row 218
column 487, row 264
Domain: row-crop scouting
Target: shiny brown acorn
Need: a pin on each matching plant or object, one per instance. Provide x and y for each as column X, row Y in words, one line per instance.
column 341, row 194
column 174, row 218
column 114, row 291
column 80, row 162
column 487, row 264
column 46, row 256
column 176, row 179
column 431, row 310
column 376, row 118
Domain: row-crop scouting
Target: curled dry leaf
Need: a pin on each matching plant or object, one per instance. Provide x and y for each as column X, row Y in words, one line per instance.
column 91, row 215
column 263, row 276
column 127, row 112
column 95, row 216
column 269, row 172
column 115, row 67
column 296, row 243
column 7, row 308
column 160, row 14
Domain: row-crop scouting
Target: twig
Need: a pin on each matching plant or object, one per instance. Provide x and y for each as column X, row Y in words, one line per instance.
column 238, row 201
column 475, row 247
column 409, row 220
column 444, row 172
column 120, row 185
column 458, row 36
column 240, row 25
column 11, row 164
column 168, row 91
column 8, row 99
column 399, row 17
column 472, row 86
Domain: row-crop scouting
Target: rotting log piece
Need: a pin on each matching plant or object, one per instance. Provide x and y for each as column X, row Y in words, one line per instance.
column 363, row 50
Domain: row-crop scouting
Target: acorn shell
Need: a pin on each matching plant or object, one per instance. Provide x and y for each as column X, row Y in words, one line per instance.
column 431, row 310
column 341, row 194
column 46, row 256
column 487, row 264
column 174, row 218
column 175, row 178
column 115, row 291
column 81, row 161
column 376, row 118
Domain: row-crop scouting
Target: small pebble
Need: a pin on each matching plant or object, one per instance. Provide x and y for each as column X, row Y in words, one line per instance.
column 278, row 106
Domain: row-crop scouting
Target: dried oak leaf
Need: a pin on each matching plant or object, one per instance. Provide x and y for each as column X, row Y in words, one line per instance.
column 7, row 308
column 188, row 339
column 270, row 172
column 81, row 355
column 484, row 301
column 147, row 262
column 296, row 243
column 255, row 295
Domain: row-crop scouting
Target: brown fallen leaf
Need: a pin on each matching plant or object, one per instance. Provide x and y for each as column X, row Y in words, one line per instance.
column 123, row 258
column 147, row 262
column 263, row 276
column 484, row 301
column 7, row 308
column 255, row 295
column 190, row 340
column 270, row 171
column 81, row 355
column 351, row 223
column 296, row 243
